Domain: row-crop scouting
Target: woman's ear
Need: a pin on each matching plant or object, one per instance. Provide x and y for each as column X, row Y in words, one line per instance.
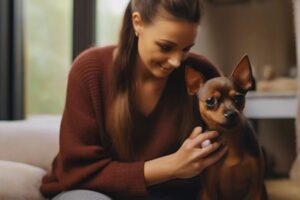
column 137, row 23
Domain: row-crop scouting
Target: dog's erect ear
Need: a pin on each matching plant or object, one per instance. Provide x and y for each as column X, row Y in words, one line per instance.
column 242, row 74
column 194, row 80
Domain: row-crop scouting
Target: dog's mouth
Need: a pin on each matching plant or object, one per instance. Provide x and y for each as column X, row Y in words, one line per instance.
column 221, row 126
column 228, row 124
column 221, row 123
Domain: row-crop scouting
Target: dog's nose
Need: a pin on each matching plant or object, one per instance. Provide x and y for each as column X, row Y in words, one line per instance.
column 231, row 115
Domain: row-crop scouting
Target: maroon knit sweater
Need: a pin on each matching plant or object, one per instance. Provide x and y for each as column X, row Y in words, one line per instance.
column 85, row 160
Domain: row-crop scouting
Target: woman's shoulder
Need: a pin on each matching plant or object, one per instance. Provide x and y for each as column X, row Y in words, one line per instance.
column 95, row 55
column 92, row 61
column 202, row 64
column 96, row 51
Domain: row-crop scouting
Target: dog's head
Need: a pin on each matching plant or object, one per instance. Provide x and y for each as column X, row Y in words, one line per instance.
column 221, row 99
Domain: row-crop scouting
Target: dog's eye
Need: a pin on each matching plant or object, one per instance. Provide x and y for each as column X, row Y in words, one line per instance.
column 239, row 99
column 212, row 102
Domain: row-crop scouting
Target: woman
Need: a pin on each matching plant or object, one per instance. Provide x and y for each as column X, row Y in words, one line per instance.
column 128, row 128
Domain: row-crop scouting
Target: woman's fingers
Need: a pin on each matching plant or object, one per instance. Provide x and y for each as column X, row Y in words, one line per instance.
column 197, row 141
column 209, row 149
column 196, row 132
column 215, row 157
column 191, row 159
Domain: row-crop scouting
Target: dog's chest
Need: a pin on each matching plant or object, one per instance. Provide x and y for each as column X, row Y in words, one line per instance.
column 235, row 177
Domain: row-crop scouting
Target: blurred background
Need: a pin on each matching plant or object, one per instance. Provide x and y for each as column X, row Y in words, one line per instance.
column 43, row 37
column 48, row 47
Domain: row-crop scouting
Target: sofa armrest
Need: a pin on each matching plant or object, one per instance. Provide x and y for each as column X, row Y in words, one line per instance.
column 33, row 141
column 20, row 181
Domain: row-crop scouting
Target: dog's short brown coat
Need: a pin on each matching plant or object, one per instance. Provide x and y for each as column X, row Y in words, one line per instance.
column 239, row 174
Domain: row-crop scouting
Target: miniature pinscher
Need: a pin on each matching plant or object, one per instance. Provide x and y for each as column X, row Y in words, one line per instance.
column 239, row 174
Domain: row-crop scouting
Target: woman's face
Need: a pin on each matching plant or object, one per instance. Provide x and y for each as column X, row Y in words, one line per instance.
column 163, row 44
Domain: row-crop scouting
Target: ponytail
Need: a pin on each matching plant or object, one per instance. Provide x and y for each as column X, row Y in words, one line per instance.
column 122, row 75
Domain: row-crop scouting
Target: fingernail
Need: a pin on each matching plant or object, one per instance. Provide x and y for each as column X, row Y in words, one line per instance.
column 198, row 129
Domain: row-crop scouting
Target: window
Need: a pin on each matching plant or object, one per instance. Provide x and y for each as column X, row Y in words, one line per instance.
column 48, row 52
column 109, row 19
column 48, row 47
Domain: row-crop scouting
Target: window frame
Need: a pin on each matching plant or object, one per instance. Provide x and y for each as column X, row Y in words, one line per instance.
column 84, row 25
column 11, row 60
column 12, row 65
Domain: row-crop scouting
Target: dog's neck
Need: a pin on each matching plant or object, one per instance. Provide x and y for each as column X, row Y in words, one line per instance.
column 234, row 137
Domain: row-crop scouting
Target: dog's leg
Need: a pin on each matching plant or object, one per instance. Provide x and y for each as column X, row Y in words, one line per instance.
column 208, row 194
column 258, row 191
column 210, row 185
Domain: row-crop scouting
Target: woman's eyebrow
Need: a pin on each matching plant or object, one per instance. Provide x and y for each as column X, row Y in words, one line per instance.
column 174, row 44
column 168, row 41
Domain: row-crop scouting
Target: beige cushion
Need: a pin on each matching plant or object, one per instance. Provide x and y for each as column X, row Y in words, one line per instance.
column 33, row 141
column 20, row 181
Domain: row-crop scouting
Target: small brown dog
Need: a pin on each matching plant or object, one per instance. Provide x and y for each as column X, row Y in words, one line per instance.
column 239, row 175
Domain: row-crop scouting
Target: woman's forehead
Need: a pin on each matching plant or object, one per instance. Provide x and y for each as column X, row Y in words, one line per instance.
column 173, row 29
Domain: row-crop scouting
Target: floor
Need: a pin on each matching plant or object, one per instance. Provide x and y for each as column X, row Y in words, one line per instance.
column 283, row 189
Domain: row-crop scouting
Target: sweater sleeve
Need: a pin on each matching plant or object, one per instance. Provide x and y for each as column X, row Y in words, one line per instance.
column 82, row 162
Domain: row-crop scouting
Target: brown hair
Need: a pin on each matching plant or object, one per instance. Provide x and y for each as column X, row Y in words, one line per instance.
column 121, row 118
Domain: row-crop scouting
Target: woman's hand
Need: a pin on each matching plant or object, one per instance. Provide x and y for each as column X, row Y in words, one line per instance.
column 190, row 160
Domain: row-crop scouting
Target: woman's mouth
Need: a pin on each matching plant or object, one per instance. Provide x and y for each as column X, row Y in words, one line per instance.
column 165, row 69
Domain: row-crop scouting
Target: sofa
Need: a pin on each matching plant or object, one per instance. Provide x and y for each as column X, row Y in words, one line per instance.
column 27, row 148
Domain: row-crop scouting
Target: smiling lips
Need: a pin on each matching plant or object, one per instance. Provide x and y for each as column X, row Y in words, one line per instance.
column 165, row 68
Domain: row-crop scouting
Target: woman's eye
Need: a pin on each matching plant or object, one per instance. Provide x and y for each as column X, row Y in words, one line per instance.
column 239, row 99
column 212, row 102
column 165, row 48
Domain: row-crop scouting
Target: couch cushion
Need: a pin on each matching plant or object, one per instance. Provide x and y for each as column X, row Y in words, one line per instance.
column 20, row 181
column 33, row 141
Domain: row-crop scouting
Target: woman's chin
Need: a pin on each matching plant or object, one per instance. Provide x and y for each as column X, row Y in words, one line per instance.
column 162, row 73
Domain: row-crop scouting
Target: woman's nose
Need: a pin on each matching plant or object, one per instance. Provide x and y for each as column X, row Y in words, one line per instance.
column 175, row 60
